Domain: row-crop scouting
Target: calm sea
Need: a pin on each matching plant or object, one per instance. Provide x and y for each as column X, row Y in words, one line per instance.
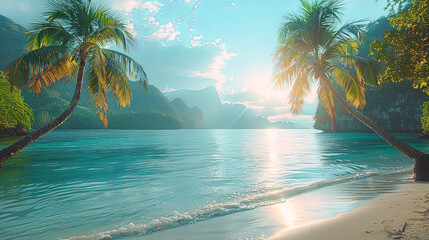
column 103, row 184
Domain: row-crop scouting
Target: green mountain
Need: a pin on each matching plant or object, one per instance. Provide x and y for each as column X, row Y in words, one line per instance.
column 12, row 41
column 395, row 106
column 206, row 99
column 150, row 110
column 223, row 116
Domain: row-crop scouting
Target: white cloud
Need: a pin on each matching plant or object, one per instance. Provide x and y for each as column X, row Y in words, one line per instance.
column 173, row 65
column 197, row 4
column 152, row 20
column 132, row 29
column 130, row 5
column 232, row 4
column 152, row 6
column 215, row 69
column 166, row 31
column 196, row 41
column 158, row 21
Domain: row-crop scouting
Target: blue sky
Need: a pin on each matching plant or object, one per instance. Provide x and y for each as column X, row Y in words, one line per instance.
column 191, row 44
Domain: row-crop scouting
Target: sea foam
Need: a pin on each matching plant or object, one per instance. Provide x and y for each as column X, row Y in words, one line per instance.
column 254, row 200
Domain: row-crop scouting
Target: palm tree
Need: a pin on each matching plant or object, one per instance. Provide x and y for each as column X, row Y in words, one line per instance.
column 314, row 48
column 71, row 40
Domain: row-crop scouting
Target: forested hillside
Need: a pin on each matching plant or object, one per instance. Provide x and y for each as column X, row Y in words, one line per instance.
column 396, row 106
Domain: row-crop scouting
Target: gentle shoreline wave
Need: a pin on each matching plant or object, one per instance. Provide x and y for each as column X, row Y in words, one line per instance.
column 265, row 198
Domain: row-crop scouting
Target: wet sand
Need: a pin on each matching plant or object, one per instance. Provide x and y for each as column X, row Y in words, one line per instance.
column 383, row 218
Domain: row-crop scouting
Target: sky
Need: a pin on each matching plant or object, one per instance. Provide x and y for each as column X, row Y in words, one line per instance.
column 192, row 44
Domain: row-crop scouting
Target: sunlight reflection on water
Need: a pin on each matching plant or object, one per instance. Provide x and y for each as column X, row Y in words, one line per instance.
column 157, row 180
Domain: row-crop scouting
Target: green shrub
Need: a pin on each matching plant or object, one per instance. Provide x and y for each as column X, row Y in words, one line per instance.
column 13, row 110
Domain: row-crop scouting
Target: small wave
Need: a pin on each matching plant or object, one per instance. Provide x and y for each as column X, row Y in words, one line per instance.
column 252, row 201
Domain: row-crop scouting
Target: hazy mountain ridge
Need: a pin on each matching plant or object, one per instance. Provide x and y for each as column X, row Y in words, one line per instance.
column 151, row 110
column 218, row 115
column 12, row 41
column 147, row 110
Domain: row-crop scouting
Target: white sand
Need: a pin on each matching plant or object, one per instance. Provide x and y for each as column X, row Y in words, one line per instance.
column 382, row 218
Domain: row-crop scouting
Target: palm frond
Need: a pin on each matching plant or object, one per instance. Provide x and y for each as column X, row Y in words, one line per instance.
column 105, row 74
column 353, row 87
column 367, row 70
column 98, row 92
column 326, row 98
column 101, row 103
column 351, row 30
column 98, row 62
column 300, row 89
column 111, row 29
column 133, row 69
column 119, row 81
column 35, row 62
column 289, row 64
column 118, row 35
column 63, row 67
column 50, row 33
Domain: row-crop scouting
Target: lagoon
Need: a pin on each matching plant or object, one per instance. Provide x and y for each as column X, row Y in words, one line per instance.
column 102, row 184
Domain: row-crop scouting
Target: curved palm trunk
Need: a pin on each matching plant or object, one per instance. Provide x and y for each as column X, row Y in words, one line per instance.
column 421, row 166
column 30, row 138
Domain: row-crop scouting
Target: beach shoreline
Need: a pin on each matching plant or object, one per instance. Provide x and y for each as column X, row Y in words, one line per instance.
column 403, row 214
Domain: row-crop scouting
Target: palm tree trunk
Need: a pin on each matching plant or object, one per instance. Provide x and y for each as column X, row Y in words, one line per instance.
column 33, row 136
column 421, row 166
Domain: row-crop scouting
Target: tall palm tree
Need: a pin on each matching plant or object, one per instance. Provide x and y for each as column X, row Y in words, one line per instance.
column 71, row 41
column 314, row 48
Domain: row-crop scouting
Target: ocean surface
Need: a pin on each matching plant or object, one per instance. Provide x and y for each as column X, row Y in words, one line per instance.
column 164, row 184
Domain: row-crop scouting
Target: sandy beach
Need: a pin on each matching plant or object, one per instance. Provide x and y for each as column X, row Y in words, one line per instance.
column 403, row 214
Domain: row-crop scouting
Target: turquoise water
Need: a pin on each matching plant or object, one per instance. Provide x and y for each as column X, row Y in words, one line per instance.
column 114, row 183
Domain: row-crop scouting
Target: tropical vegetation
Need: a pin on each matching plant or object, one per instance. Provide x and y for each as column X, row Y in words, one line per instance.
column 70, row 43
column 405, row 50
column 397, row 107
column 14, row 112
column 315, row 49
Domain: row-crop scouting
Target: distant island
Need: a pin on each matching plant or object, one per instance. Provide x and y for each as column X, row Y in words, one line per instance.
column 226, row 116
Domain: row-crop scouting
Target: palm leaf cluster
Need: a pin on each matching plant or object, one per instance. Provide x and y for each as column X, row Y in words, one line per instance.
column 75, row 33
column 314, row 48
